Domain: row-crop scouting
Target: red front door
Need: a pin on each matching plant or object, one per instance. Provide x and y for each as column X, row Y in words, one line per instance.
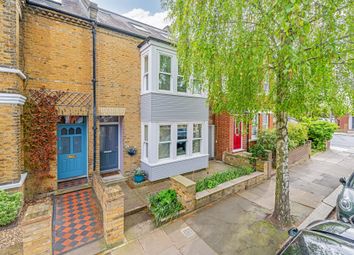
column 237, row 135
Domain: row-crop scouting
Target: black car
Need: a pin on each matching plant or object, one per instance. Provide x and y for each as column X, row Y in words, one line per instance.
column 345, row 200
column 321, row 238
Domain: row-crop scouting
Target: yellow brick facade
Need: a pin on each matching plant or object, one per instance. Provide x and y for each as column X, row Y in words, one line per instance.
column 57, row 55
column 11, row 164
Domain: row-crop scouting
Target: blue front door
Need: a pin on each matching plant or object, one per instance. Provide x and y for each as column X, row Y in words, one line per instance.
column 72, row 152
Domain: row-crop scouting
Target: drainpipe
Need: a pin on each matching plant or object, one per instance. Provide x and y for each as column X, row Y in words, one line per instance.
column 94, row 94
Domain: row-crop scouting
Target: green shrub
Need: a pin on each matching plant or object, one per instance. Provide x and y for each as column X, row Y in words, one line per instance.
column 298, row 135
column 266, row 140
column 218, row 178
column 320, row 132
column 9, row 207
column 164, row 205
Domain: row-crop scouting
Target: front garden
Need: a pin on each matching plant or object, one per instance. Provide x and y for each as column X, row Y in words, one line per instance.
column 317, row 132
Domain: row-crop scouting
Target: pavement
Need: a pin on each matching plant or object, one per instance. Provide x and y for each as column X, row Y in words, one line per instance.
column 239, row 224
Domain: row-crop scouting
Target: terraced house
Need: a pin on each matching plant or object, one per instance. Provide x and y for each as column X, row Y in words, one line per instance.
column 122, row 102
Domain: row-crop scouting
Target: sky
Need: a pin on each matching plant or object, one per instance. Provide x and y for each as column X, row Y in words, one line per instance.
column 146, row 11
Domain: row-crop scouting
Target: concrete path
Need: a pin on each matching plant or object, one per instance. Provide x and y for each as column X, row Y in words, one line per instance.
column 238, row 224
column 343, row 142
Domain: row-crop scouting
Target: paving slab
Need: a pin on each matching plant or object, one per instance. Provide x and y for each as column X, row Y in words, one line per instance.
column 155, row 242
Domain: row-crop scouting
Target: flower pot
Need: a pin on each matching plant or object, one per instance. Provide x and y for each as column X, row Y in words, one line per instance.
column 139, row 178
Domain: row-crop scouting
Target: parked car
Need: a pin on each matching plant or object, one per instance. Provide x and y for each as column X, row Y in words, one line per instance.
column 321, row 238
column 345, row 200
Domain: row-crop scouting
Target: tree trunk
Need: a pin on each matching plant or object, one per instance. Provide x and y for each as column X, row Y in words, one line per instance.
column 282, row 203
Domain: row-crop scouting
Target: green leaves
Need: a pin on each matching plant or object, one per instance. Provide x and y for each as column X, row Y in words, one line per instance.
column 233, row 45
column 218, row 178
column 164, row 205
column 9, row 207
column 320, row 132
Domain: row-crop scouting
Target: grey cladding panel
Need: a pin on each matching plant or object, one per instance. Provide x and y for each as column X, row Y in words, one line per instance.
column 172, row 108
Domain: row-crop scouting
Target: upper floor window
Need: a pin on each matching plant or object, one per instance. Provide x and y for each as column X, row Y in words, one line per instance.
column 181, row 83
column 165, row 72
column 255, row 127
column 165, row 142
column 146, row 72
column 197, row 87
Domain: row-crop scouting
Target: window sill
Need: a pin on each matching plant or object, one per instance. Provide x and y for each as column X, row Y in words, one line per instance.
column 178, row 159
column 178, row 94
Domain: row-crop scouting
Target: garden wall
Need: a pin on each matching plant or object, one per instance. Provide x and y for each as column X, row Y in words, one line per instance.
column 37, row 229
column 192, row 200
column 245, row 159
column 300, row 154
column 222, row 190
column 111, row 199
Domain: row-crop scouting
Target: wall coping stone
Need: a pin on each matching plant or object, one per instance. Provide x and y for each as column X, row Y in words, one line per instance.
column 183, row 180
column 4, row 69
column 15, row 185
column 10, row 98
column 37, row 212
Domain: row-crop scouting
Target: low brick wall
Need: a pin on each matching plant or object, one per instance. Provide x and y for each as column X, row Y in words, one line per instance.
column 37, row 229
column 237, row 159
column 246, row 160
column 210, row 195
column 300, row 154
column 111, row 199
column 185, row 189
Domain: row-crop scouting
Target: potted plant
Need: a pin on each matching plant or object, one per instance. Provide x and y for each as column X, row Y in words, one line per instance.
column 131, row 151
column 139, row 175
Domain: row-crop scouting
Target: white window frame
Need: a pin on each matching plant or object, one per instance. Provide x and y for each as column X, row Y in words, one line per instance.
column 146, row 141
column 161, row 53
column 164, row 142
column 182, row 140
column 146, row 83
column 197, row 138
column 265, row 116
column 254, row 136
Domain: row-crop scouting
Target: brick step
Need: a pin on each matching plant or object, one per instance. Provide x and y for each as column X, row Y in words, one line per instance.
column 72, row 189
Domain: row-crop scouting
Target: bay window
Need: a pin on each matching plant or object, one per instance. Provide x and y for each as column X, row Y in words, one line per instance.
column 164, row 142
column 165, row 72
column 146, row 73
column 197, row 138
column 146, row 141
column 197, row 87
column 181, row 148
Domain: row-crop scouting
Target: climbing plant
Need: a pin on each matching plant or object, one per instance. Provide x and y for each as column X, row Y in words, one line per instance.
column 39, row 120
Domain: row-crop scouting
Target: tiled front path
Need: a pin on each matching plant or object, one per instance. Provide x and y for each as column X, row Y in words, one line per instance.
column 76, row 220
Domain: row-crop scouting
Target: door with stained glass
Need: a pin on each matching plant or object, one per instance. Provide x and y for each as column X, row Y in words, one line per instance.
column 72, row 151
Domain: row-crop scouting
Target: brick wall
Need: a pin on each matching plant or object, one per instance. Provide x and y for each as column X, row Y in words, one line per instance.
column 58, row 56
column 11, row 164
column 37, row 229
column 118, row 75
column 185, row 189
column 111, row 199
column 10, row 137
column 300, row 154
column 343, row 123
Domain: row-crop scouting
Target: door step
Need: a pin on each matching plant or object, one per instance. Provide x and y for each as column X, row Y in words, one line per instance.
column 73, row 185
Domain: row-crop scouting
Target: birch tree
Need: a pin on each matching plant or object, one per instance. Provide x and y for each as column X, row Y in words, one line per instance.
column 303, row 49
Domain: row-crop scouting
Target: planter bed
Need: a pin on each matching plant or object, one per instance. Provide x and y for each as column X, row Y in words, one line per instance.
column 224, row 189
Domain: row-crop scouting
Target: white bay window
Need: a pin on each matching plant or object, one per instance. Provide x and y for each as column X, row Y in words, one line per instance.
column 164, row 142
column 165, row 72
column 181, row 148
column 146, row 72
column 197, row 138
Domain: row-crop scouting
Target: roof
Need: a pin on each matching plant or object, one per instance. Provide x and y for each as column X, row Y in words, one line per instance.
column 106, row 18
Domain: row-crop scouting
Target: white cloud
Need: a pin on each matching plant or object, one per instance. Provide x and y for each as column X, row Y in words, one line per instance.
column 159, row 19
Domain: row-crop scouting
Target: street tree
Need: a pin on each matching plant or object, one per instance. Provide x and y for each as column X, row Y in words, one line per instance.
column 302, row 49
